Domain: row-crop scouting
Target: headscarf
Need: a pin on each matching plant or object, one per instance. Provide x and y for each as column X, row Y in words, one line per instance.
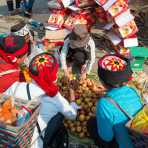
column 79, row 36
column 43, row 69
column 12, row 47
column 22, row 29
column 114, row 70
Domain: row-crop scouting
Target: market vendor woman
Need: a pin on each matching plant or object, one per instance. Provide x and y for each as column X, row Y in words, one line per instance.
column 114, row 72
column 13, row 51
column 43, row 70
column 78, row 52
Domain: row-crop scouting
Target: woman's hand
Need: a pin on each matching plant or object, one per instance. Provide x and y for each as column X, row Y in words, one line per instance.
column 84, row 69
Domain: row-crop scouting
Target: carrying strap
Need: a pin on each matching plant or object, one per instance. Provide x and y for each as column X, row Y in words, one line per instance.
column 37, row 124
column 112, row 101
column 28, row 92
column 39, row 131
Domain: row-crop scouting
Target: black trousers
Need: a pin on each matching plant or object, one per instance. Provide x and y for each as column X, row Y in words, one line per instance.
column 54, row 125
column 10, row 4
column 92, row 129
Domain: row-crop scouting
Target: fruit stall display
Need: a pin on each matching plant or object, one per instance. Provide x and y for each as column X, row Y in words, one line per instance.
column 87, row 93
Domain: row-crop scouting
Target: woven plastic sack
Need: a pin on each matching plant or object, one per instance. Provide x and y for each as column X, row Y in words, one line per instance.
column 138, row 129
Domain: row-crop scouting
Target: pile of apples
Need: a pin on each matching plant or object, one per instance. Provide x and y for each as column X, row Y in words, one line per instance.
column 87, row 93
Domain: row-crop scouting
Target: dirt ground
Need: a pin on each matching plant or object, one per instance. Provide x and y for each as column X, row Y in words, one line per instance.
column 41, row 13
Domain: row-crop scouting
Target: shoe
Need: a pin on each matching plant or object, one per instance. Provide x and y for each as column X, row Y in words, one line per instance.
column 18, row 11
column 27, row 14
column 15, row 12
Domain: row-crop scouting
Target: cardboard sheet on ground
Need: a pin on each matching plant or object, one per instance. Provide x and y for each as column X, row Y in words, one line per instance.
column 6, row 22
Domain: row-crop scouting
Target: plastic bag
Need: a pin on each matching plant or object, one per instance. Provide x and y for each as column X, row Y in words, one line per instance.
column 140, row 122
column 67, row 3
column 128, row 30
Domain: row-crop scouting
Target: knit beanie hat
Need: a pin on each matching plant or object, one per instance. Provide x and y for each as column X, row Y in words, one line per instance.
column 114, row 70
column 21, row 29
column 12, row 47
column 43, row 69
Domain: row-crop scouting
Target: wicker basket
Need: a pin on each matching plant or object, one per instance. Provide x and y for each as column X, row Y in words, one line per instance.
column 20, row 136
column 139, row 140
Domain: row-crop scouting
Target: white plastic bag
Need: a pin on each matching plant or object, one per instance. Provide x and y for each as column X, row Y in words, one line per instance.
column 67, row 3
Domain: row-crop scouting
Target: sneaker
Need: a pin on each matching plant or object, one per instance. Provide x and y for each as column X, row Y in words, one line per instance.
column 27, row 14
column 18, row 11
column 15, row 12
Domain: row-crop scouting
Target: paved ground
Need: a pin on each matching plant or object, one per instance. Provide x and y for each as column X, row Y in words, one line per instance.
column 40, row 9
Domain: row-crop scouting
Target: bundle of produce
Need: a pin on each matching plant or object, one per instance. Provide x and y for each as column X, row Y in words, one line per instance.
column 18, row 119
column 140, row 84
column 140, row 121
column 8, row 112
column 87, row 93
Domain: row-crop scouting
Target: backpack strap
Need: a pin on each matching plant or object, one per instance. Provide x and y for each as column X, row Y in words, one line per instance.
column 39, row 131
column 112, row 101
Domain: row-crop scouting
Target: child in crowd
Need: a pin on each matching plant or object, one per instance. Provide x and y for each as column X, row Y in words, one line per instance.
column 78, row 52
column 110, row 131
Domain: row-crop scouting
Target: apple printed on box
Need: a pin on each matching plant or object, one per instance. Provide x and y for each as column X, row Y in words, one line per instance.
column 57, row 18
column 124, row 18
column 128, row 30
column 117, row 8
column 108, row 4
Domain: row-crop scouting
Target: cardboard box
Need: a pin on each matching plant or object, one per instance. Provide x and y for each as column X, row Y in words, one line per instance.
column 130, row 42
column 56, row 34
column 124, row 18
column 6, row 22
